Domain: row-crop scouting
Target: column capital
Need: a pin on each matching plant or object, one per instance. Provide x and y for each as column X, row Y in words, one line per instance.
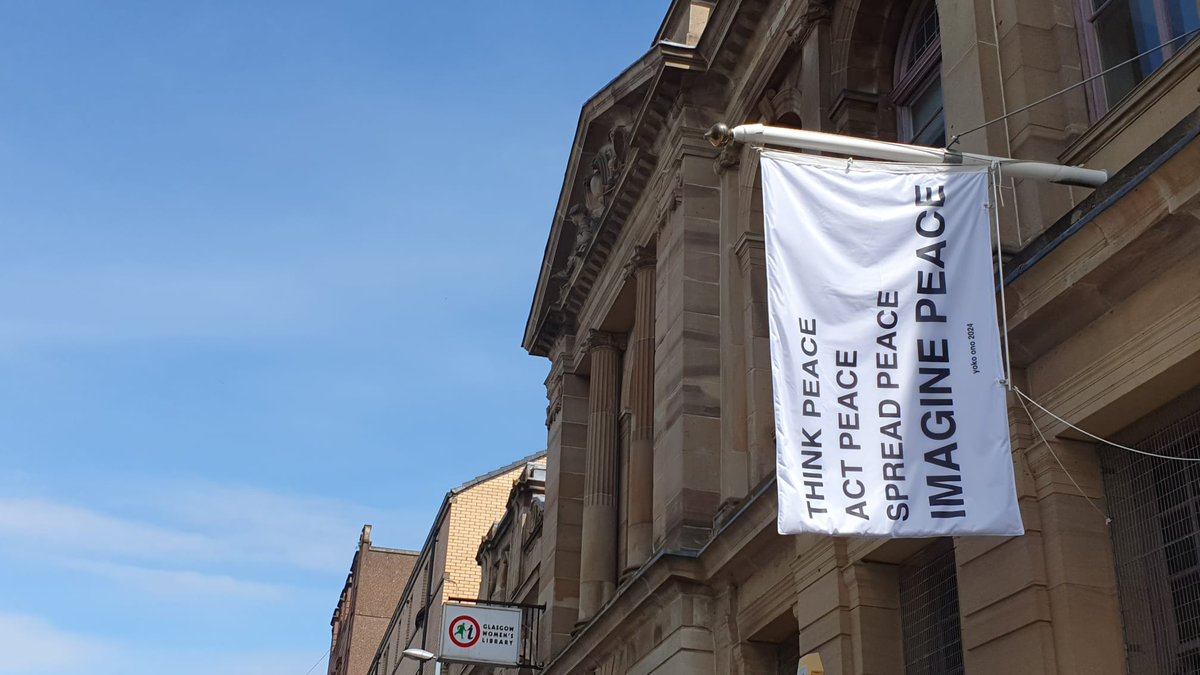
column 643, row 257
column 602, row 339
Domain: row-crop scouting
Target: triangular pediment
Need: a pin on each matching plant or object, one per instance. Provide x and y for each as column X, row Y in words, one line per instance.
column 606, row 160
column 698, row 49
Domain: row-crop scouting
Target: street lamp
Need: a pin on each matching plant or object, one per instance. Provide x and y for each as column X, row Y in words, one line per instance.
column 423, row 656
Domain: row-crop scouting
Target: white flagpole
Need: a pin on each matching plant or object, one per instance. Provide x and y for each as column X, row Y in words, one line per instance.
column 761, row 134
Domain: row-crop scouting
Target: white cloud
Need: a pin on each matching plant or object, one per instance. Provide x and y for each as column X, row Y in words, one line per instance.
column 297, row 294
column 198, row 525
column 29, row 645
column 304, row 532
column 166, row 582
column 62, row 526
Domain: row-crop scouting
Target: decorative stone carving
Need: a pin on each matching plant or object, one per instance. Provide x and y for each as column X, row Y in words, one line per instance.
column 730, row 157
column 606, row 168
column 585, row 232
column 818, row 12
column 601, row 180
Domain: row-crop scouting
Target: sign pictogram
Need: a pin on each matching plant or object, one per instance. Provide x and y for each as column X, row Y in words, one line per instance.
column 464, row 631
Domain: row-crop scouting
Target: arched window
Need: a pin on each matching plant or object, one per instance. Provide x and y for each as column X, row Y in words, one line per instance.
column 918, row 90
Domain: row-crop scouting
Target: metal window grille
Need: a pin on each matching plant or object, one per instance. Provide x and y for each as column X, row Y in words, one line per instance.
column 1155, row 508
column 929, row 612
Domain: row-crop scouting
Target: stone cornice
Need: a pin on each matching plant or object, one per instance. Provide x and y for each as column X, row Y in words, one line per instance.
column 755, row 46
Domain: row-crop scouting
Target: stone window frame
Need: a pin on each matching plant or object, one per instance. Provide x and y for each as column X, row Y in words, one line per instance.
column 915, row 74
column 1086, row 14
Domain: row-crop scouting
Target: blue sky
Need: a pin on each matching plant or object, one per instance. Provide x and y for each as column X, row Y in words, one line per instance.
column 264, row 269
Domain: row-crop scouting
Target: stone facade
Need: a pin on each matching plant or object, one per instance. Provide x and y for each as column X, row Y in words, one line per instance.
column 377, row 576
column 445, row 568
column 658, row 549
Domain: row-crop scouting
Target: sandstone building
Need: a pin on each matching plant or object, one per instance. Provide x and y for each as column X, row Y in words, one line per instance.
column 377, row 576
column 445, row 568
column 657, row 549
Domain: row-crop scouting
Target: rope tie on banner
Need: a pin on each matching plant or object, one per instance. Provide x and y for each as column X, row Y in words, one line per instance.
column 994, row 183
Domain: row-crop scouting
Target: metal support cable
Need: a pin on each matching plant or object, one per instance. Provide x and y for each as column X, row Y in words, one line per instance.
column 314, row 666
column 1058, row 461
column 1078, row 84
column 1105, row 441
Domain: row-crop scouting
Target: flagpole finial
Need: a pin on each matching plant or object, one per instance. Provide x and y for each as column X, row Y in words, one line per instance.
column 719, row 134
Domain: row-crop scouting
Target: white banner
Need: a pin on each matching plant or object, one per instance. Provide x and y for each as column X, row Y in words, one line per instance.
column 481, row 634
column 890, row 412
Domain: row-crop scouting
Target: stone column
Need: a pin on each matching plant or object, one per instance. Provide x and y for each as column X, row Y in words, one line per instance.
column 640, row 495
column 598, row 555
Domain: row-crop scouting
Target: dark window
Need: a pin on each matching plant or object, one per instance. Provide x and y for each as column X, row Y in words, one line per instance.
column 787, row 658
column 918, row 90
column 1155, row 530
column 929, row 612
column 1122, row 29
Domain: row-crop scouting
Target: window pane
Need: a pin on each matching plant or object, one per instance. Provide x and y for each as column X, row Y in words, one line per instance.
column 1126, row 28
column 926, row 116
column 1184, row 18
column 925, row 35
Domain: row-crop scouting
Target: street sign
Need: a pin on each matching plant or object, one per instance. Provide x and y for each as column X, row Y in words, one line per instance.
column 478, row 634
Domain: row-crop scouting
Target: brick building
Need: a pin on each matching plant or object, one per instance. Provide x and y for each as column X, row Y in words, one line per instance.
column 377, row 576
column 445, row 568
column 658, row 549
